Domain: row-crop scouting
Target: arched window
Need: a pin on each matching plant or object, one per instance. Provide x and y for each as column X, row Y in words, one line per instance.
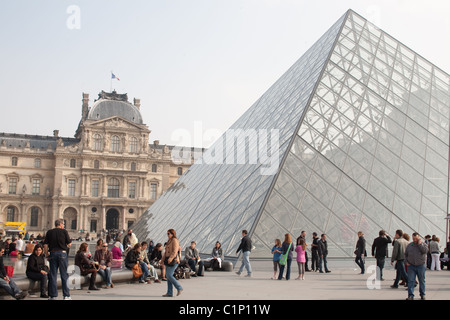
column 133, row 145
column 154, row 168
column 10, row 214
column 34, row 217
column 98, row 142
column 113, row 188
column 115, row 144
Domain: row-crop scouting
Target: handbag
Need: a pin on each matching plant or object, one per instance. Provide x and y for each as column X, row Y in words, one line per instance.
column 9, row 271
column 137, row 270
column 284, row 256
column 166, row 263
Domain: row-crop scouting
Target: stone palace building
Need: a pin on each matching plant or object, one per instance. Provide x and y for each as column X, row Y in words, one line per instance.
column 103, row 178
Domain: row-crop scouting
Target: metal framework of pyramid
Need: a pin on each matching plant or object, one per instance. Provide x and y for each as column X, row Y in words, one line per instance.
column 363, row 145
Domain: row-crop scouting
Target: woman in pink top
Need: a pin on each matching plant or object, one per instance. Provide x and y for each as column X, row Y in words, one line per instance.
column 301, row 259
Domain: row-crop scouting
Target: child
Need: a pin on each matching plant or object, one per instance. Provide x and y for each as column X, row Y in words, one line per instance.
column 276, row 251
column 301, row 259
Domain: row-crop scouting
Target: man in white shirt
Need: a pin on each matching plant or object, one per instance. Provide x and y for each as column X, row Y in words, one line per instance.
column 20, row 244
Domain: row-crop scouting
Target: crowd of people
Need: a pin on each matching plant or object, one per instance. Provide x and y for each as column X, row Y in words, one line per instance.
column 47, row 257
column 146, row 260
column 286, row 249
column 410, row 258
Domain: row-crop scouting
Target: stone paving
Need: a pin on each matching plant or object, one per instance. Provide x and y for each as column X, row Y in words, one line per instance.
column 343, row 283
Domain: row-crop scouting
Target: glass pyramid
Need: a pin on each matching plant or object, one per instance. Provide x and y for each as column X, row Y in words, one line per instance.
column 362, row 130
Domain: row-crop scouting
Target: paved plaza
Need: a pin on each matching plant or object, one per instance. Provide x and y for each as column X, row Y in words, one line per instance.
column 343, row 283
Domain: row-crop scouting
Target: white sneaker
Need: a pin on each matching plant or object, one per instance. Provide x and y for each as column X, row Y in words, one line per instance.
column 67, row 298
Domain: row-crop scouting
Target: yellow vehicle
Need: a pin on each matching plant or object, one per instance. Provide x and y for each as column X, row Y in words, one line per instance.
column 9, row 229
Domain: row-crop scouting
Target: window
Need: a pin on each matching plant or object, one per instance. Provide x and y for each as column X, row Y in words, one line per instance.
column 113, row 188
column 73, row 163
column 10, row 214
column 115, row 144
column 98, row 143
column 154, row 168
column 12, row 185
column 132, row 190
column 133, row 145
column 34, row 217
column 133, row 166
column 153, row 189
column 71, row 188
column 180, row 171
column 96, row 164
column 14, row 161
column 94, row 188
column 36, row 190
column 37, row 163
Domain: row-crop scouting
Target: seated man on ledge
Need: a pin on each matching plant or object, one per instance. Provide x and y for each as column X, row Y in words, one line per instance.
column 192, row 257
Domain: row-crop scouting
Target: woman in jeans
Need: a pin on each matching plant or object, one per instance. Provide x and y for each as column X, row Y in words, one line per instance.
column 171, row 261
column 286, row 247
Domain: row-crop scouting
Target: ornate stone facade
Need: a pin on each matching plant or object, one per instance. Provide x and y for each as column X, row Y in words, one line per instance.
column 103, row 178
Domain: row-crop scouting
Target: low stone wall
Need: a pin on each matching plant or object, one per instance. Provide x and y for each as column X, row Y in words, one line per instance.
column 118, row 275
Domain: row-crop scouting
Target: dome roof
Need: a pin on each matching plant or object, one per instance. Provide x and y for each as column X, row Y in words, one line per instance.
column 114, row 105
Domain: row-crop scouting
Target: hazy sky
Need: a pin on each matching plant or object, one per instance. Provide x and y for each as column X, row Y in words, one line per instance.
column 196, row 65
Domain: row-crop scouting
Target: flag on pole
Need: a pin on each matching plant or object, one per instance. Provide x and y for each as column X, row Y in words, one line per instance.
column 113, row 76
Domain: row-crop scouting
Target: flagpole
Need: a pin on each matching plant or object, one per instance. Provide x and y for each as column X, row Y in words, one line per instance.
column 110, row 87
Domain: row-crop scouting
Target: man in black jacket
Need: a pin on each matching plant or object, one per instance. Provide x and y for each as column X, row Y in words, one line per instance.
column 246, row 247
column 323, row 252
column 379, row 251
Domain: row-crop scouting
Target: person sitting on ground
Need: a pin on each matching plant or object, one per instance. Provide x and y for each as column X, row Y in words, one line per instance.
column 193, row 258
column 37, row 270
column 132, row 258
column 86, row 265
column 144, row 259
column 7, row 283
column 104, row 258
column 155, row 260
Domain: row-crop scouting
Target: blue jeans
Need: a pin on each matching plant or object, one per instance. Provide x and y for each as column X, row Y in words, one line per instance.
column 418, row 271
column 360, row 262
column 58, row 260
column 288, row 270
column 400, row 266
column 145, row 272
column 323, row 259
column 171, row 280
column 246, row 263
column 105, row 274
column 10, row 287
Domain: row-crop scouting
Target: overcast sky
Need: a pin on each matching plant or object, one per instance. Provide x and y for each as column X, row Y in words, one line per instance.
column 196, row 65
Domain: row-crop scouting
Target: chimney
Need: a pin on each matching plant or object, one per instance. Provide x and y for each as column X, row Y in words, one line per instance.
column 56, row 133
column 137, row 103
column 85, row 106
